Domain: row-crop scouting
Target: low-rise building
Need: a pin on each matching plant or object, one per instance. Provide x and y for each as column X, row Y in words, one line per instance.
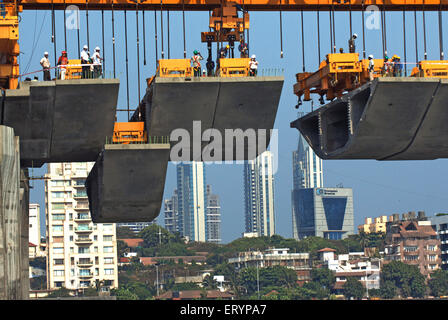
column 374, row 225
column 413, row 242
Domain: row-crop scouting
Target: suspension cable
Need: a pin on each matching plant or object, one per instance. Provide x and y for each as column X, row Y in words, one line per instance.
column 161, row 27
column 441, row 32
column 127, row 66
column 53, row 34
column 382, row 32
column 281, row 31
column 385, row 30
column 168, row 32
column 183, row 28
column 113, row 38
column 155, row 36
column 350, row 17
column 303, row 43
column 138, row 51
column 87, row 21
column 102, row 37
column 424, row 31
column 318, row 34
column 334, row 29
column 415, row 31
column 144, row 38
column 404, row 40
column 331, row 32
column 65, row 27
column 363, row 32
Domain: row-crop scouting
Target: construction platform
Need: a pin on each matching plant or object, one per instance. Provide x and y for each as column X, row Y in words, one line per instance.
column 127, row 181
column 61, row 120
column 386, row 119
column 218, row 103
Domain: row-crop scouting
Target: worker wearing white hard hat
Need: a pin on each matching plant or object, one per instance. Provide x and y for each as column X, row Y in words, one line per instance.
column 371, row 68
column 253, row 66
column 96, row 58
column 45, row 63
column 85, row 61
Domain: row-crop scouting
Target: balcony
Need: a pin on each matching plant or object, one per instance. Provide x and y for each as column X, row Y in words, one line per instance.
column 82, row 207
column 79, row 184
column 80, row 195
column 83, row 240
column 85, row 275
column 83, row 217
column 85, row 263
column 83, row 230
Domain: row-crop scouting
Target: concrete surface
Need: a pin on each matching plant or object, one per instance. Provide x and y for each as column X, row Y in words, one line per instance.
column 218, row 103
column 126, row 183
column 14, row 282
column 388, row 119
column 62, row 120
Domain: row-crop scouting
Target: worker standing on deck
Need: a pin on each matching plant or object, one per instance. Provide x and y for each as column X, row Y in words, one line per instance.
column 387, row 67
column 97, row 69
column 85, row 61
column 371, row 67
column 253, row 66
column 398, row 67
column 210, row 67
column 63, row 61
column 196, row 60
column 351, row 43
column 45, row 63
column 244, row 50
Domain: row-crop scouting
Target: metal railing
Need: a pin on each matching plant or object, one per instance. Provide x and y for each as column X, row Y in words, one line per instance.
column 151, row 140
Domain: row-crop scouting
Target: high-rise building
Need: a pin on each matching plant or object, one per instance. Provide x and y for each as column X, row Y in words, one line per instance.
column 324, row 212
column 307, row 173
column 171, row 213
column 136, row 227
column 34, row 220
column 259, row 195
column 440, row 223
column 192, row 201
column 213, row 217
column 79, row 252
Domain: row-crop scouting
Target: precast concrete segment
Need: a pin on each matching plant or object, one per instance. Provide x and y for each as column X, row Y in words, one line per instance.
column 11, row 279
column 127, row 181
column 216, row 103
column 62, row 120
column 379, row 120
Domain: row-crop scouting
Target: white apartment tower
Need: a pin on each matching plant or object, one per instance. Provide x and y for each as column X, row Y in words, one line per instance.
column 34, row 232
column 259, row 195
column 79, row 252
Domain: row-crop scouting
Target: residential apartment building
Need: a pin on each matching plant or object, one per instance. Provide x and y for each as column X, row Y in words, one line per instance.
column 259, row 195
column 171, row 213
column 413, row 242
column 79, row 252
column 213, row 217
column 375, row 225
column 440, row 225
column 324, row 212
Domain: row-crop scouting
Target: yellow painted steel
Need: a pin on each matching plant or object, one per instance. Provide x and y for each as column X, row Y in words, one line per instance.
column 171, row 68
column 9, row 47
column 129, row 132
column 234, row 67
column 74, row 70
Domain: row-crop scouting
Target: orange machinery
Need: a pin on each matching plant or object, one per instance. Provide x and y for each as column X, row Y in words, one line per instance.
column 431, row 69
column 129, row 133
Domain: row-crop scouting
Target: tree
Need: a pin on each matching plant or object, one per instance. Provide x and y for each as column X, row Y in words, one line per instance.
column 324, row 277
column 124, row 294
column 209, row 282
column 152, row 238
column 406, row 278
column 353, row 288
column 438, row 283
column 125, row 233
column 60, row 293
column 388, row 290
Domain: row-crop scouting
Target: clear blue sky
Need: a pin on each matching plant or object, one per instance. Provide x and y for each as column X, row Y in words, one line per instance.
column 378, row 187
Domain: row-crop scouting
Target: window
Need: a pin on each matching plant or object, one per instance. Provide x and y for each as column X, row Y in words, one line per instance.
column 411, row 258
column 58, row 206
column 108, row 260
column 58, row 273
column 58, row 228
column 84, row 272
column 108, row 271
column 58, row 284
column 60, row 183
column 432, row 257
column 72, row 250
column 410, row 248
column 107, row 238
column 61, row 194
column 58, row 239
column 58, row 250
column 83, row 227
column 59, row 216
column 108, row 249
column 58, row 262
column 107, row 227
column 71, row 238
column 431, row 248
column 83, row 250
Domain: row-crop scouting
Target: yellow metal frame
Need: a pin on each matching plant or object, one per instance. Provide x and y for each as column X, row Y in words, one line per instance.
column 129, row 132
column 234, row 67
column 9, row 47
column 173, row 68
column 74, row 71
column 434, row 69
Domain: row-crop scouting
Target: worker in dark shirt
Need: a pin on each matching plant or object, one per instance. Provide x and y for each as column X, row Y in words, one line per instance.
column 351, row 43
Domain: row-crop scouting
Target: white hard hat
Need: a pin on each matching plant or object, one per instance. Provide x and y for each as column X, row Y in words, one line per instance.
column 85, row 47
column 253, row 56
column 355, row 35
column 97, row 49
column 45, row 53
column 371, row 56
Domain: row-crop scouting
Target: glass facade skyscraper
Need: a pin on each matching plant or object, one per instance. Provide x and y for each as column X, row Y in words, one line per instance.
column 259, row 195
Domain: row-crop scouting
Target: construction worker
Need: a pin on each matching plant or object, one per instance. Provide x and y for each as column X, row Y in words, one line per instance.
column 371, row 67
column 196, row 60
column 45, row 63
column 351, row 43
column 210, row 67
column 244, row 50
column 341, row 50
column 85, row 61
column 398, row 67
column 63, row 61
column 387, row 67
column 223, row 51
column 253, row 66
column 97, row 69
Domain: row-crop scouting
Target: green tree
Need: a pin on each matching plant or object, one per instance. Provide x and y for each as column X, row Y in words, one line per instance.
column 324, row 277
column 388, row 290
column 152, row 238
column 60, row 293
column 125, row 233
column 438, row 283
column 124, row 294
column 353, row 288
column 406, row 278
